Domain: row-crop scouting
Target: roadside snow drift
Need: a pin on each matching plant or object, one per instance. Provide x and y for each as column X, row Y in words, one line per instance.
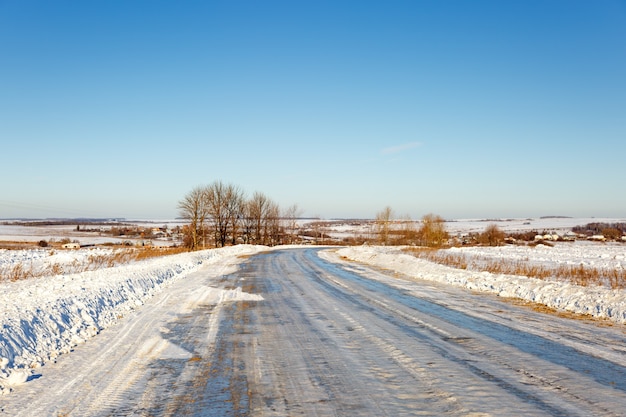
column 44, row 317
column 595, row 301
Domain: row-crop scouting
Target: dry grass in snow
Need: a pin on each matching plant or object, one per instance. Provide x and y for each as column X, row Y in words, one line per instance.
column 16, row 265
column 578, row 274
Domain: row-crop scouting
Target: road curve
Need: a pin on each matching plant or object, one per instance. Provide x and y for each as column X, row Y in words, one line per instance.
column 334, row 339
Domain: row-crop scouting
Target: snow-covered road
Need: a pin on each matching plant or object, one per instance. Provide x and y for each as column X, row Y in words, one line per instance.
column 349, row 340
column 290, row 333
column 132, row 365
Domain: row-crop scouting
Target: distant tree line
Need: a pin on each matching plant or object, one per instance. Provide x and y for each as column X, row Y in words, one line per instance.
column 608, row 230
column 220, row 214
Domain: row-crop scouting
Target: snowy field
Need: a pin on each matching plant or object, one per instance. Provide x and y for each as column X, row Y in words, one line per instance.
column 48, row 261
column 459, row 227
column 17, row 233
column 338, row 229
column 10, row 232
column 609, row 255
column 560, row 225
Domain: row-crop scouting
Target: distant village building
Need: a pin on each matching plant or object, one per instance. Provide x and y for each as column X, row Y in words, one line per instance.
column 549, row 237
column 570, row 236
column 158, row 233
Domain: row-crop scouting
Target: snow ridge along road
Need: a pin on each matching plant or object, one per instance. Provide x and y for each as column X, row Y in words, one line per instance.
column 130, row 366
column 289, row 333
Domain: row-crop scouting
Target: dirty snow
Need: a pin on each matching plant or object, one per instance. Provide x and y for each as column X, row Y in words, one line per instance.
column 596, row 301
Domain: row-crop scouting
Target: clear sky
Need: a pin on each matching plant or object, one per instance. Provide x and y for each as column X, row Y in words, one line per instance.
column 460, row 108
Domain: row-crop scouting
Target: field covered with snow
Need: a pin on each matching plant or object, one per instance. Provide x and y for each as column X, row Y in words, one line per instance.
column 590, row 254
column 15, row 264
column 90, row 233
column 559, row 225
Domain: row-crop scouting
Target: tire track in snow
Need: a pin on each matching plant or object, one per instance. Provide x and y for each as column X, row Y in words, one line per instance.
column 131, row 366
column 105, row 362
column 318, row 363
column 508, row 358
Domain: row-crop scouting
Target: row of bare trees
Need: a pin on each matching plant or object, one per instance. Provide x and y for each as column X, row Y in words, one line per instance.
column 220, row 214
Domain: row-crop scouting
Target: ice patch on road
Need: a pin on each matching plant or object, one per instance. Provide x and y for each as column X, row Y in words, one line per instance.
column 238, row 295
column 212, row 296
column 159, row 348
column 15, row 377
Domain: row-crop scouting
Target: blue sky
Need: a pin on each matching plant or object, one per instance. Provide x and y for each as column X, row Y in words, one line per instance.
column 461, row 108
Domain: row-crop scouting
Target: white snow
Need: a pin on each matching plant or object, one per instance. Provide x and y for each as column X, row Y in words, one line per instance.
column 596, row 301
column 42, row 318
column 19, row 233
column 589, row 254
column 560, row 225
column 39, row 261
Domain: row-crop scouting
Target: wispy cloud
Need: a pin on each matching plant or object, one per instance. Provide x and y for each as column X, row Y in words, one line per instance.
column 400, row 148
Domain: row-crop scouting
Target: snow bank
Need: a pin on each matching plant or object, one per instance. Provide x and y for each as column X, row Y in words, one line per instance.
column 594, row 301
column 44, row 317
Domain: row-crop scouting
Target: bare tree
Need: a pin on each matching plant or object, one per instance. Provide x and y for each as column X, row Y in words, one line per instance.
column 318, row 232
column 272, row 231
column 290, row 218
column 408, row 231
column 433, row 232
column 258, row 207
column 193, row 209
column 383, row 220
column 234, row 210
column 248, row 222
column 224, row 202
column 492, row 236
column 232, row 218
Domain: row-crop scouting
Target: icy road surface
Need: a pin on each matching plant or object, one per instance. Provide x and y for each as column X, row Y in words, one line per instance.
column 291, row 334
